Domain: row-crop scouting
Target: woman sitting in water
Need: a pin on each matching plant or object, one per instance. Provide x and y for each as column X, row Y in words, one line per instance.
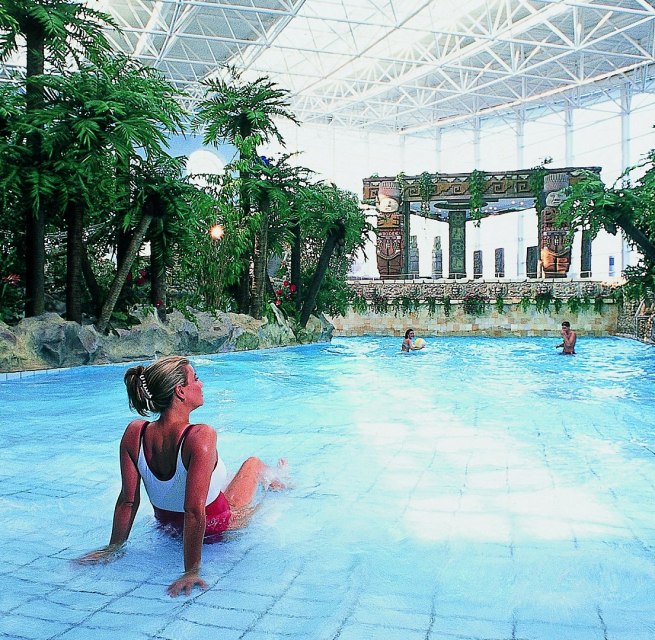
column 182, row 472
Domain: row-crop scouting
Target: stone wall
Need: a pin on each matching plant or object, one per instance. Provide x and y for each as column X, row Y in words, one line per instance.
column 529, row 308
column 636, row 320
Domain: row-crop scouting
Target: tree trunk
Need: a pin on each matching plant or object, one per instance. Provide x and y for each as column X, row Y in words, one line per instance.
column 321, row 269
column 296, row 249
column 121, row 275
column 158, row 278
column 91, row 281
column 260, row 260
column 243, row 296
column 34, row 217
column 74, row 244
column 638, row 237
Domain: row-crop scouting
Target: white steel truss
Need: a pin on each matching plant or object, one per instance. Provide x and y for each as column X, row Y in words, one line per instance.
column 406, row 66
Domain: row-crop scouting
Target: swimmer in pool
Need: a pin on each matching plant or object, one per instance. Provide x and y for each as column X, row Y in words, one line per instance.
column 184, row 477
column 568, row 340
column 408, row 342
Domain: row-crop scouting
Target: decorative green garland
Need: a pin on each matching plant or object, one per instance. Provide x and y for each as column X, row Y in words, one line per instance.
column 536, row 182
column 401, row 180
column 425, row 189
column 447, row 306
column 477, row 185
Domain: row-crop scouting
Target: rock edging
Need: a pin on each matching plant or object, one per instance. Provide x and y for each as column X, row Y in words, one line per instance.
column 48, row 341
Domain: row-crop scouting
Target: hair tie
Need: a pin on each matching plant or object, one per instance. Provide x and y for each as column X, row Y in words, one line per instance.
column 144, row 386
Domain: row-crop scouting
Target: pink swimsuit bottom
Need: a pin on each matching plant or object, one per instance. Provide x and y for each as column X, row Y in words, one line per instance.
column 218, row 518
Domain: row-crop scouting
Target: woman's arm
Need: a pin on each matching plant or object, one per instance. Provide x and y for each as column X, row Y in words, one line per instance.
column 127, row 504
column 201, row 447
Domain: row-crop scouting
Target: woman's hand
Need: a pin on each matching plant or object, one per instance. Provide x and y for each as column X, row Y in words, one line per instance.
column 186, row 582
column 105, row 555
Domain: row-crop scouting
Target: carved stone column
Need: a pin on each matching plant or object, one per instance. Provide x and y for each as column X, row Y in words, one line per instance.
column 390, row 231
column 555, row 251
column 457, row 243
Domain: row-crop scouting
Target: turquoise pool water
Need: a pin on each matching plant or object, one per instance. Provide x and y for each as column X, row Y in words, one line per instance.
column 477, row 489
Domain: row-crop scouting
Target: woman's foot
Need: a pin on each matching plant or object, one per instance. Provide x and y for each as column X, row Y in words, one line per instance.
column 274, row 477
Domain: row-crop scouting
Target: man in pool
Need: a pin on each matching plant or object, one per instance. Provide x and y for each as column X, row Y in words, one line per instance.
column 408, row 342
column 568, row 340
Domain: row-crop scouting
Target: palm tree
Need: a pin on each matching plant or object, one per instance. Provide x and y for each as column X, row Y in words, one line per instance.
column 331, row 216
column 53, row 32
column 101, row 118
column 243, row 113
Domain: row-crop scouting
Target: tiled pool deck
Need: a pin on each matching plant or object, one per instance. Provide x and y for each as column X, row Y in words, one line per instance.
column 460, row 523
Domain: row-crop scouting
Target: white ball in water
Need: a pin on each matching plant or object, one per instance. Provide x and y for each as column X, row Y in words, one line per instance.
column 419, row 342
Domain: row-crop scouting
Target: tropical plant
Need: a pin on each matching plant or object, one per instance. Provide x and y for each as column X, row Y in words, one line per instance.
column 474, row 303
column 524, row 303
column 101, row 119
column 500, row 304
column 53, row 32
column 333, row 226
column 245, row 114
column 628, row 205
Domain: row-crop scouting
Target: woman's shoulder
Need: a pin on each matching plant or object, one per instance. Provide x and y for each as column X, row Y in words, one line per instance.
column 201, row 433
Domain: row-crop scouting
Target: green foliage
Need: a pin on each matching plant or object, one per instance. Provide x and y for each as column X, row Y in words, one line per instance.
column 536, row 182
column 358, row 304
column 477, row 184
column 285, row 300
column 475, row 303
column 409, row 304
column 379, row 302
column 11, row 298
column 431, row 304
column 402, row 180
column 500, row 304
column 598, row 304
column 640, row 283
column 574, row 304
column 447, row 305
column 425, row 187
column 242, row 112
column 628, row 205
column 557, row 304
column 542, row 300
column 524, row 303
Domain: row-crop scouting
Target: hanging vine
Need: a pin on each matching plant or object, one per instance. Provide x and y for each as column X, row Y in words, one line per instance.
column 402, row 181
column 536, row 182
column 477, row 185
column 425, row 188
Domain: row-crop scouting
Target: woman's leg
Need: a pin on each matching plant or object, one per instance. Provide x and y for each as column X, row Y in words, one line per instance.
column 241, row 490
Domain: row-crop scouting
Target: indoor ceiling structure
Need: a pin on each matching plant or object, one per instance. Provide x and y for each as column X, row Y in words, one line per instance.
column 407, row 66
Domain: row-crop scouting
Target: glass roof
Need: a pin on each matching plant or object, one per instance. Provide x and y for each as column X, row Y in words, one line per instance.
column 399, row 65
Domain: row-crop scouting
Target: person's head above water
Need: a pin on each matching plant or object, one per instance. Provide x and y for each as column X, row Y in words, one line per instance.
column 409, row 333
column 150, row 389
column 566, row 324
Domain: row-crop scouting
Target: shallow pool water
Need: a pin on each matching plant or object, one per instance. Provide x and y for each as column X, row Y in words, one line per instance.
column 477, row 489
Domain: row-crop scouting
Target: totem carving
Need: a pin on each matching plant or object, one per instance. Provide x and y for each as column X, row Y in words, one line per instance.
column 390, row 242
column 555, row 251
